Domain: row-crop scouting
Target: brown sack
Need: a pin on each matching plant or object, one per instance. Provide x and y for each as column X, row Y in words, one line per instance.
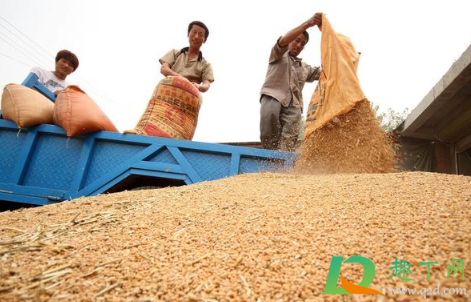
column 78, row 114
column 25, row 106
column 172, row 111
column 338, row 90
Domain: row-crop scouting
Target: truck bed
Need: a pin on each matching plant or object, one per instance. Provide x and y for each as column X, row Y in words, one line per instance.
column 41, row 165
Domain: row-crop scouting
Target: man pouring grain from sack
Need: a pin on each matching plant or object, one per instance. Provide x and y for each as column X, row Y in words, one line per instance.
column 281, row 95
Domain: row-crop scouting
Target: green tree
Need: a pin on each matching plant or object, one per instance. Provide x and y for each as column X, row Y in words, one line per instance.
column 390, row 119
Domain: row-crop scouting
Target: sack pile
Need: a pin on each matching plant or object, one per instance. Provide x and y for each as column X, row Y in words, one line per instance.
column 73, row 110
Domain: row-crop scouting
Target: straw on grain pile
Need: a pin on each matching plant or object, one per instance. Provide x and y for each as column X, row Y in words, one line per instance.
column 229, row 240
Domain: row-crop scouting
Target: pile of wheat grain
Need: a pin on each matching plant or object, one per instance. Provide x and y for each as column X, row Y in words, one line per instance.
column 253, row 237
column 353, row 143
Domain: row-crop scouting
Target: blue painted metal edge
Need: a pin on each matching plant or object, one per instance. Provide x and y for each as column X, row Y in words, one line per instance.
column 155, row 166
column 83, row 164
column 189, row 145
column 124, row 166
column 185, row 164
column 24, row 157
column 118, row 179
column 235, row 164
column 29, row 190
column 32, row 81
column 20, row 199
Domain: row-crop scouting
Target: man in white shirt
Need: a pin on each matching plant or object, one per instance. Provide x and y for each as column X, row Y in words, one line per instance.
column 66, row 63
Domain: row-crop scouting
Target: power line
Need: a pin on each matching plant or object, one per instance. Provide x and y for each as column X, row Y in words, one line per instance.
column 6, row 41
column 40, row 61
column 18, row 61
column 21, row 39
column 87, row 84
column 90, row 86
column 39, row 46
column 25, row 51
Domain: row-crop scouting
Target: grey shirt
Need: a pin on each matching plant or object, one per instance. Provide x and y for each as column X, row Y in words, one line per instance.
column 286, row 76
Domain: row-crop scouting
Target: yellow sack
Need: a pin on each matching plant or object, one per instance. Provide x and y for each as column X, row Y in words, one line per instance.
column 342, row 134
column 338, row 90
column 172, row 111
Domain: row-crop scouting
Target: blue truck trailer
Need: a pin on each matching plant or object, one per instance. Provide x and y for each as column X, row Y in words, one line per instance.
column 41, row 165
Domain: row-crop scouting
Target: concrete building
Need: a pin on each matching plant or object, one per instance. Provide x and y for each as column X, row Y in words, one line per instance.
column 436, row 136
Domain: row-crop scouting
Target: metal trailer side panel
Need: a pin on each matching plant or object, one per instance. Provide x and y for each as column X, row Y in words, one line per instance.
column 42, row 162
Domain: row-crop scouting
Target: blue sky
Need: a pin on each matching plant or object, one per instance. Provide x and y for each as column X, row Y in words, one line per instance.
column 406, row 47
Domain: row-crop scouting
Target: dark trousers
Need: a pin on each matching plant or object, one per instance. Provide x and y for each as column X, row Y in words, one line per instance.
column 279, row 126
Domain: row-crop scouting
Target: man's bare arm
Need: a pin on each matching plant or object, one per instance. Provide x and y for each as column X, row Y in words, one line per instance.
column 167, row 71
column 292, row 34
